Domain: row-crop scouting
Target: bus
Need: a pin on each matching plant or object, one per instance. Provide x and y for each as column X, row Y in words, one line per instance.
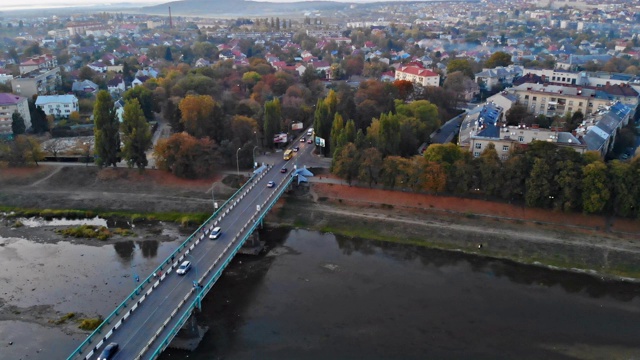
column 288, row 154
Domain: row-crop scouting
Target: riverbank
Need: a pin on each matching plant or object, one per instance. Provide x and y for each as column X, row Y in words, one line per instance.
column 597, row 245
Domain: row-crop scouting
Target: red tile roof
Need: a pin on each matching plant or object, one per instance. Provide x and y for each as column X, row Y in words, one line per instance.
column 414, row 70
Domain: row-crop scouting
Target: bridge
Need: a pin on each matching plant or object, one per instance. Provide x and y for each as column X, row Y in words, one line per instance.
column 146, row 322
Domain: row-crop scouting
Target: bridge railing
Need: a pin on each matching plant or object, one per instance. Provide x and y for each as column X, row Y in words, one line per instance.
column 244, row 234
column 154, row 279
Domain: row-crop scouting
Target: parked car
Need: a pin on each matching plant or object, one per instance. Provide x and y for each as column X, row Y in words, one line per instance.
column 109, row 351
column 184, row 267
column 271, row 184
column 283, row 170
column 215, row 233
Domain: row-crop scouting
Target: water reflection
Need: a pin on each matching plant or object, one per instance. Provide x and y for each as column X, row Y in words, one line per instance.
column 149, row 248
column 125, row 250
column 571, row 282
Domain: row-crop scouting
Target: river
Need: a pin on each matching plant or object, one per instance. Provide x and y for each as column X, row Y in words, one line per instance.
column 318, row 296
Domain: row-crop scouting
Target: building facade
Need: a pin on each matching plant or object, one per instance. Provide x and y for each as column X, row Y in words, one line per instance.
column 9, row 104
column 58, row 105
column 45, row 61
column 417, row 75
column 41, row 82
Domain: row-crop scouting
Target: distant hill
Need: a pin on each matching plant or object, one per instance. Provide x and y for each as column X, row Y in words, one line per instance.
column 240, row 7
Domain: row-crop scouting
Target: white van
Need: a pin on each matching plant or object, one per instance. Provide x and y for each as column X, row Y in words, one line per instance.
column 310, row 132
column 215, row 233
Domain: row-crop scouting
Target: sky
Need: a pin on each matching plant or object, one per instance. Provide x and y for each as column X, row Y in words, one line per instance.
column 8, row 5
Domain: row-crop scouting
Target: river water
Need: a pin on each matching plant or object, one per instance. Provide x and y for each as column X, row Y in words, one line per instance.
column 318, row 296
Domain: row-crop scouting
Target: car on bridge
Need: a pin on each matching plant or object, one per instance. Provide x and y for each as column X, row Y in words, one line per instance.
column 215, row 233
column 184, row 267
column 109, row 351
column 271, row 184
column 283, row 170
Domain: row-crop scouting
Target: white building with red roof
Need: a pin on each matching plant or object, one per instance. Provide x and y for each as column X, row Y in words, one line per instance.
column 418, row 75
column 45, row 61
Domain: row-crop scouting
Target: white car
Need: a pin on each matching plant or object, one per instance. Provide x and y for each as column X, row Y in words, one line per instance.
column 184, row 267
column 215, row 233
column 271, row 184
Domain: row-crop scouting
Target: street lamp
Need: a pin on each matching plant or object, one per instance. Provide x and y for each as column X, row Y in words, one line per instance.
column 237, row 162
column 213, row 196
column 253, row 152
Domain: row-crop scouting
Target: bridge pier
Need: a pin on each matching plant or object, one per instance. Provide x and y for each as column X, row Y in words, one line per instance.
column 189, row 337
column 253, row 245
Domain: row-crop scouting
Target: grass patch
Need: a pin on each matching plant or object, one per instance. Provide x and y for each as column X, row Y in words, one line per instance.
column 90, row 324
column 86, row 231
column 63, row 319
column 49, row 214
column 123, row 232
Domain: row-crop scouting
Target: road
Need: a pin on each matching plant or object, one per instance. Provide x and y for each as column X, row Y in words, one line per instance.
column 447, row 132
column 134, row 334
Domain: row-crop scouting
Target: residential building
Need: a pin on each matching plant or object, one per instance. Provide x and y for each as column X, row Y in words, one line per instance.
column 45, row 61
column 116, row 85
column 98, row 66
column 85, row 86
column 599, row 131
column 553, row 100
column 417, row 75
column 80, row 28
column 58, row 105
column 488, row 79
column 40, row 82
column 9, row 104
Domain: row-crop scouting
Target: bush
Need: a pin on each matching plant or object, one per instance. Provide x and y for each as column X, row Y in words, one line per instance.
column 86, row 231
column 90, row 324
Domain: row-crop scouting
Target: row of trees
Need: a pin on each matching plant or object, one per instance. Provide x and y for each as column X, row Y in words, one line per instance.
column 136, row 136
column 542, row 175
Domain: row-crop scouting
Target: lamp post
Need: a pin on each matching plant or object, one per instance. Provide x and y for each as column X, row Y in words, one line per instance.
column 237, row 162
column 213, row 196
column 253, row 152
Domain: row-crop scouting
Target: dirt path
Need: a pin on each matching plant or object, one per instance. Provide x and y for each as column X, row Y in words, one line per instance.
column 54, row 172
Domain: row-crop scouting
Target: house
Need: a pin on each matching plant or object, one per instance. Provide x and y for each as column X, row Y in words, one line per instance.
column 86, row 86
column 45, row 61
column 9, row 104
column 139, row 80
column 200, row 63
column 418, row 75
column 116, row 85
column 58, row 105
column 98, row 66
column 490, row 78
column 148, row 72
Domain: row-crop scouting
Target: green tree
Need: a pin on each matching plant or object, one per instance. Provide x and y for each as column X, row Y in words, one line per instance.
column 272, row 120
column 498, row 58
column 106, row 130
column 539, row 186
column 167, row 54
column 17, row 124
column 136, row 136
column 595, row 190
column 337, row 128
column 145, row 99
column 461, row 65
column 389, row 135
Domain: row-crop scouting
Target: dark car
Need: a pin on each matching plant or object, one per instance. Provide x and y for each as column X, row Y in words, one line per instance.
column 283, row 170
column 108, row 351
column 296, row 149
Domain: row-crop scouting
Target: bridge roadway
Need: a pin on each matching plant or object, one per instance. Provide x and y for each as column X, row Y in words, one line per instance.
column 156, row 316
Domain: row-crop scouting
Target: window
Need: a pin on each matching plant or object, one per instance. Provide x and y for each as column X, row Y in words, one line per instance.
column 476, row 154
column 580, row 104
column 570, row 102
column 505, row 147
column 535, row 98
column 504, row 157
column 478, row 146
column 526, row 97
column 521, row 138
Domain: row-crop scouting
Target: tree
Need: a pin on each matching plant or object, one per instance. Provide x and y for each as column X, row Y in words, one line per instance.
column 405, row 89
column 595, row 190
column 106, row 130
column 135, row 135
column 196, row 113
column 370, row 166
column 23, row 151
column 86, row 73
column 272, row 120
column 167, row 54
column 244, row 129
column 461, row 65
column 185, row 156
column 38, row 118
column 518, row 114
column 498, row 58
column 346, row 163
column 17, row 124
column 145, row 99
column 336, row 131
